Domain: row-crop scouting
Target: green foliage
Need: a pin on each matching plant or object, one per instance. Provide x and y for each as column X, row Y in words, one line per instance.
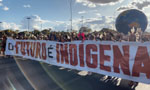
column 46, row 31
column 36, row 32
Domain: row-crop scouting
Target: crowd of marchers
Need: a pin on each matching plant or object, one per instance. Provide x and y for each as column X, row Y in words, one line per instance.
column 134, row 35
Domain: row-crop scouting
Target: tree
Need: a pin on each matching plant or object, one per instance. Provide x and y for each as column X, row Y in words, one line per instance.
column 36, row 32
column 85, row 29
column 1, row 34
column 108, row 30
column 17, row 31
column 8, row 32
column 46, row 31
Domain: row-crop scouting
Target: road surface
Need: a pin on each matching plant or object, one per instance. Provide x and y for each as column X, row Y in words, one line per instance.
column 23, row 74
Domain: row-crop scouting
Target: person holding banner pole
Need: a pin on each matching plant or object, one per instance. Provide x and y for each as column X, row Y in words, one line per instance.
column 4, row 44
column 134, row 36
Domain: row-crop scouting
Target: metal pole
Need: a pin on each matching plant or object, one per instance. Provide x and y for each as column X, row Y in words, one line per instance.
column 114, row 20
column 71, row 14
column 0, row 26
column 28, row 23
column 41, row 25
column 82, row 20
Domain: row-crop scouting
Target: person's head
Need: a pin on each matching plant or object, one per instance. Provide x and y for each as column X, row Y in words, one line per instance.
column 92, row 37
column 101, row 36
column 129, row 33
column 80, row 31
column 137, row 36
column 105, row 33
column 62, row 39
column 133, row 30
column 139, row 30
column 80, row 37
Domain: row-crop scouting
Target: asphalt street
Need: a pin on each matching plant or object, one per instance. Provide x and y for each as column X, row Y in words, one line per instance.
column 11, row 78
column 22, row 74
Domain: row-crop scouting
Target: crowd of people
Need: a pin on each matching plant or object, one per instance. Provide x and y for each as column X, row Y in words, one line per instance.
column 135, row 35
column 105, row 35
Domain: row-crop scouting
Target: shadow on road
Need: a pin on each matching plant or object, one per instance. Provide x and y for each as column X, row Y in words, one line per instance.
column 30, row 75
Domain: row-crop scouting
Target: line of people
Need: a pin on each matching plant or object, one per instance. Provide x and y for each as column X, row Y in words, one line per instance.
column 133, row 35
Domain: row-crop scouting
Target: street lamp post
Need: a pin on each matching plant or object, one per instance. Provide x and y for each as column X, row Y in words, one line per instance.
column 114, row 17
column 28, row 23
column 71, row 14
column 0, row 26
column 82, row 17
column 41, row 25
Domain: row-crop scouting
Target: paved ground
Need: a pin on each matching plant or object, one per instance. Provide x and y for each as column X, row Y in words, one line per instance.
column 27, row 74
column 11, row 76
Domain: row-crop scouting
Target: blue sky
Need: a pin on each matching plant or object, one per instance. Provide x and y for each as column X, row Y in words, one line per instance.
column 55, row 14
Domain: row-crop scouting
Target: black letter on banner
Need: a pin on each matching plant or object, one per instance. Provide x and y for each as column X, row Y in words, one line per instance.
column 50, row 52
column 10, row 46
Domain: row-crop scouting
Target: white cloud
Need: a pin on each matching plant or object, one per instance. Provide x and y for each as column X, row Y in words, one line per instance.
column 136, row 4
column 86, row 3
column 94, row 3
column 104, row 1
column 5, row 25
column 141, row 5
column 34, row 22
column 82, row 12
column 96, row 23
column 122, row 8
column 1, row 4
column 27, row 6
column 60, row 26
column 14, row 26
column 98, row 14
column 5, row 8
column 97, row 20
column 100, row 22
column 148, row 26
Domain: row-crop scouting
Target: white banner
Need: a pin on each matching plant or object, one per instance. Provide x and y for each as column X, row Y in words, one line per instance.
column 127, row 60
